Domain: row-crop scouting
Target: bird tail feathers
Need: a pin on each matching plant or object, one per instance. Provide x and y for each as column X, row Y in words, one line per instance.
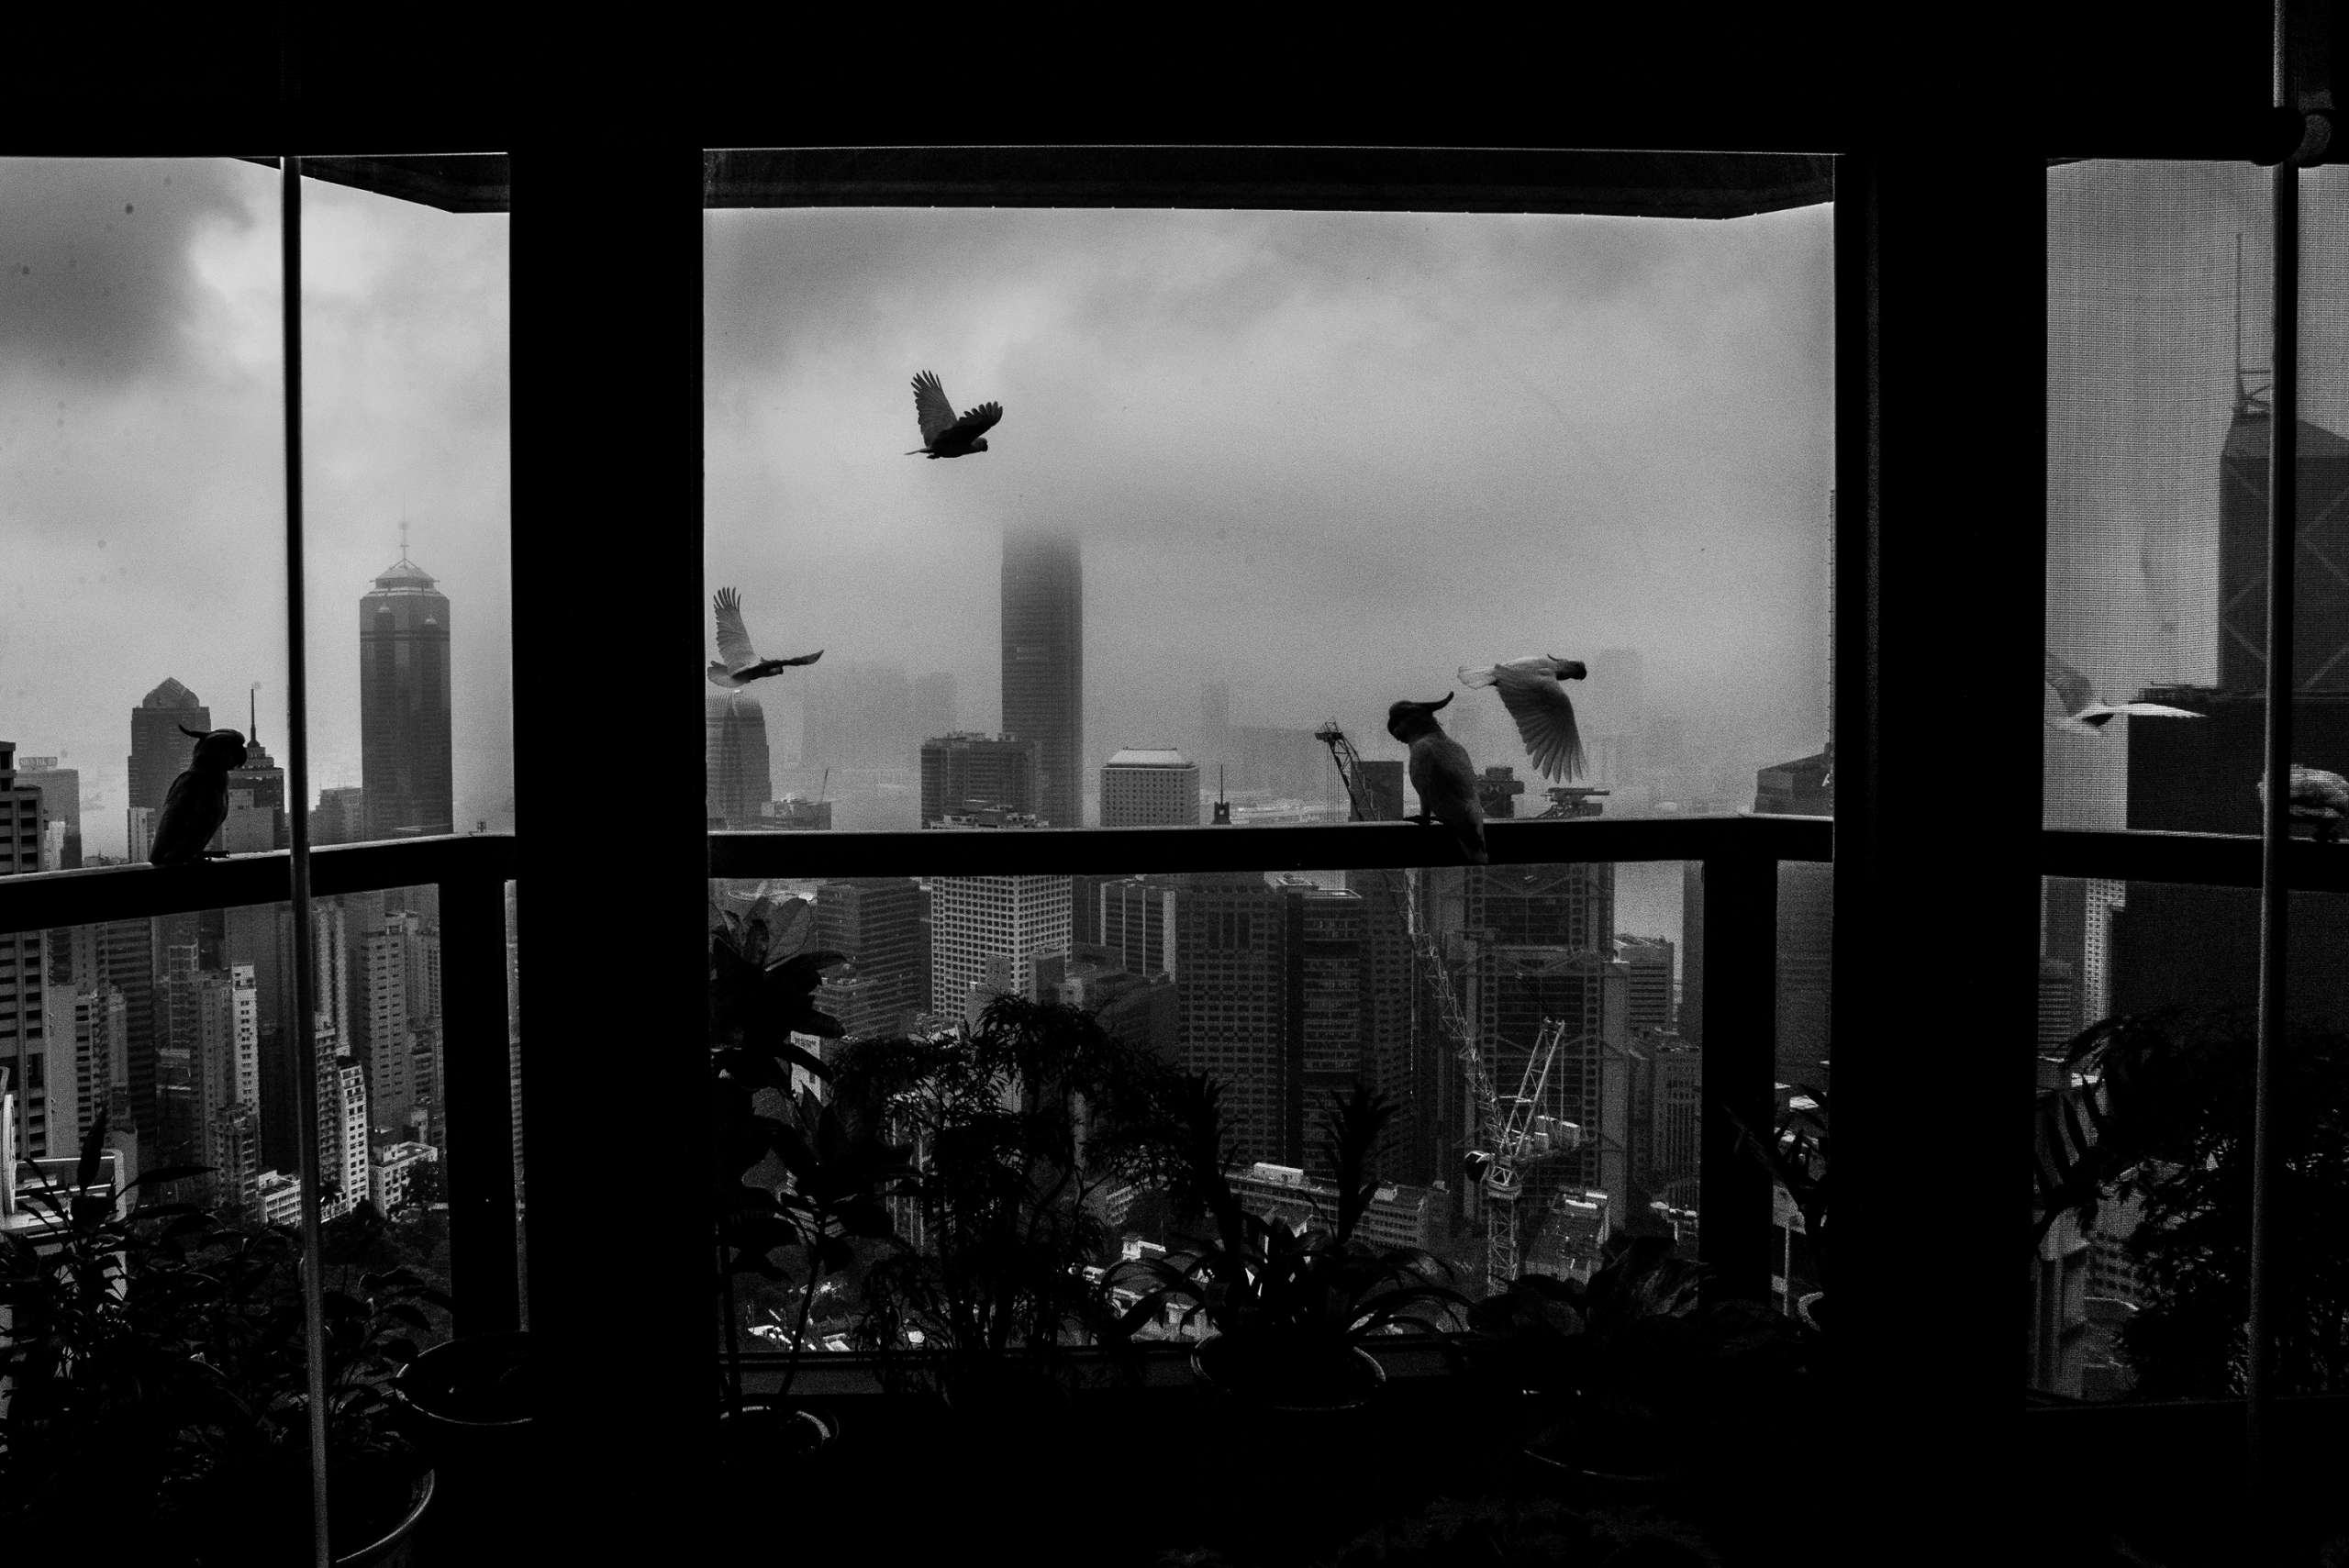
column 1484, row 676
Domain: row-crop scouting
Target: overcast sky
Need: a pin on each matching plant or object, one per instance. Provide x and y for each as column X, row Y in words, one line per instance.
column 2141, row 368
column 141, row 458
column 1327, row 459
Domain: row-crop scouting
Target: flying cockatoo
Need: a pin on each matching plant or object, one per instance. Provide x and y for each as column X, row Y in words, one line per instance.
column 2317, row 797
column 2083, row 713
column 737, row 664
column 1530, row 691
column 942, row 433
column 197, row 802
column 1443, row 774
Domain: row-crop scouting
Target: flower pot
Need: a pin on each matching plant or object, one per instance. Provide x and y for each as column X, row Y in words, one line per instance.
column 469, row 1399
column 1598, row 1450
column 1308, row 1379
column 468, row 1403
column 397, row 1547
column 762, row 1436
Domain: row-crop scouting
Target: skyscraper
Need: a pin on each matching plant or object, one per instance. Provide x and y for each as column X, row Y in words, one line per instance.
column 24, row 969
column 980, row 924
column 878, row 923
column 404, row 728
column 1150, row 787
column 61, row 803
column 1044, row 661
column 996, row 769
column 1229, row 973
column 158, row 752
column 735, row 758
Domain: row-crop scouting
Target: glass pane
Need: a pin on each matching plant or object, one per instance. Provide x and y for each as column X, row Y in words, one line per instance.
column 409, row 503
column 2150, row 1293
column 2158, row 424
column 1286, row 988
column 1257, row 472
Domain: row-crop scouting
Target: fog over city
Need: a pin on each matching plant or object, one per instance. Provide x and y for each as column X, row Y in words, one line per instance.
column 1326, row 459
column 142, row 458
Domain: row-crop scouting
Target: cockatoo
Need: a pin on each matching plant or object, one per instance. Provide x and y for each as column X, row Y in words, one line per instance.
column 1530, row 692
column 1443, row 774
column 942, row 433
column 2083, row 713
column 2319, row 799
column 738, row 665
column 197, row 802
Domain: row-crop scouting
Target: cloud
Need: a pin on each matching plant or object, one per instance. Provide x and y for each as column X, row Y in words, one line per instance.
column 98, row 284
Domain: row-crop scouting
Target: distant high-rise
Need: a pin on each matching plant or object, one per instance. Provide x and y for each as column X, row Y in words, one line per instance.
column 158, row 752
column 1044, row 661
column 24, row 970
column 404, row 726
column 1228, row 973
column 61, row 803
column 734, row 756
column 995, row 770
column 256, row 803
column 937, row 706
column 2320, row 609
column 341, row 815
column 879, row 923
column 1150, row 787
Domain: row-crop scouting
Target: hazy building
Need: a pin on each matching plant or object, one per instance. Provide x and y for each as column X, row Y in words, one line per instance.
column 341, row 815
column 881, row 923
column 734, row 756
column 405, row 750
column 1229, row 971
column 61, row 803
column 1805, row 941
column 24, row 969
column 1137, row 923
column 973, row 919
column 1326, row 1002
column 1650, row 958
column 1043, row 662
column 159, row 751
column 963, row 769
column 1803, row 787
column 857, row 715
column 1150, row 787
column 936, row 704
column 2320, row 607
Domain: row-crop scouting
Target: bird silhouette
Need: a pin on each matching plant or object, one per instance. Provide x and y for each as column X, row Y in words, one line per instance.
column 738, row 665
column 2084, row 713
column 1443, row 774
column 943, row 434
column 197, row 802
column 2319, row 799
column 1545, row 719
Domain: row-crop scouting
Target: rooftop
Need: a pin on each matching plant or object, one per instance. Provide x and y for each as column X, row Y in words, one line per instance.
column 1150, row 757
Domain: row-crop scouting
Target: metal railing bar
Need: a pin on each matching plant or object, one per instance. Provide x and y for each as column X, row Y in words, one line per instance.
column 1364, row 846
column 46, row 900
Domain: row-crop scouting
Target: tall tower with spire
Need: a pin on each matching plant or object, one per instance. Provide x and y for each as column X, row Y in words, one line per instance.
column 404, row 748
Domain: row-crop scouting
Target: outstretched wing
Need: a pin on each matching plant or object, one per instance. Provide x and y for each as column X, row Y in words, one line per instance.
column 2155, row 710
column 936, row 415
column 733, row 642
column 1545, row 719
column 2071, row 687
column 976, row 423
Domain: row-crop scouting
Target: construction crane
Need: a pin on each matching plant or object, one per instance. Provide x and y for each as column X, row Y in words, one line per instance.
column 1508, row 1137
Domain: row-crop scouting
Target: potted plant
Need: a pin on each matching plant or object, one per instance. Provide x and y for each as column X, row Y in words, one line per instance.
column 1291, row 1306
column 156, row 1372
column 797, row 1177
column 1021, row 1126
column 1632, row 1384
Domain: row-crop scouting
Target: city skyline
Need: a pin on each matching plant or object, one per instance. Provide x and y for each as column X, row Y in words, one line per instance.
column 142, row 493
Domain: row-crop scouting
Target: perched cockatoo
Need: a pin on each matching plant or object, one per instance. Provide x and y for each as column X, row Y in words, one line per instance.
column 738, row 665
column 2319, row 799
column 197, row 802
column 1530, row 692
column 943, row 434
column 2083, row 713
column 1443, row 774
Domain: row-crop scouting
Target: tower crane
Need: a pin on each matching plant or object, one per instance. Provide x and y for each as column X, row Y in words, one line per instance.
column 1507, row 1133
